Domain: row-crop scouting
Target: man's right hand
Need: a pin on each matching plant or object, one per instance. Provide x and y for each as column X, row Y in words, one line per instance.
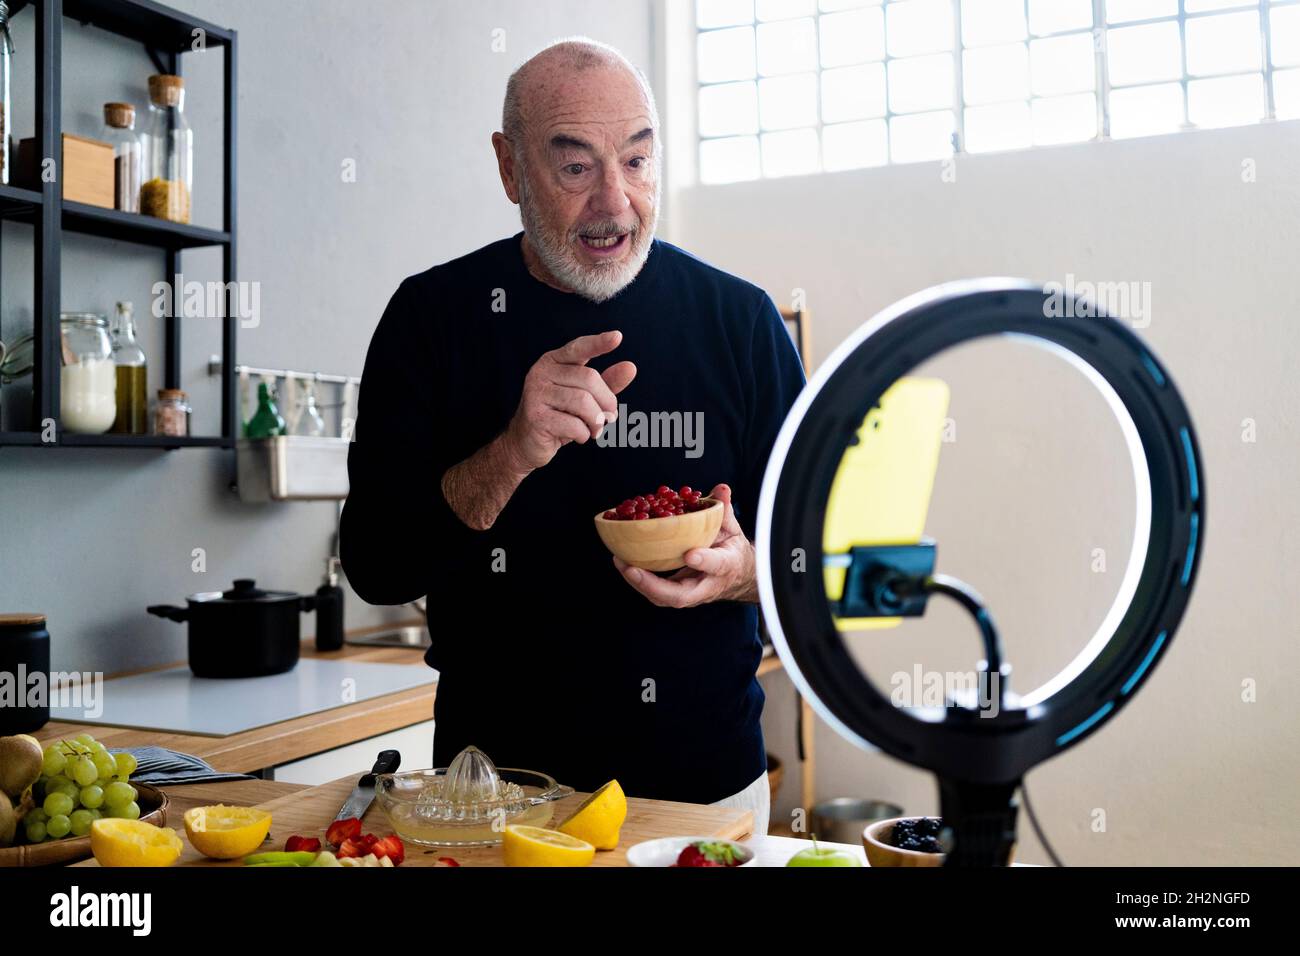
column 565, row 401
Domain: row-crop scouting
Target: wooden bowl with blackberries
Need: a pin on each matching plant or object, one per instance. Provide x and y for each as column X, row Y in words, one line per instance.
column 904, row 841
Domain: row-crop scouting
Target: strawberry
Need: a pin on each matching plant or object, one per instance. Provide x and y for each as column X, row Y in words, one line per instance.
column 447, row 861
column 352, row 847
column 707, row 853
column 304, row 844
column 391, row 847
column 692, row 857
column 341, row 830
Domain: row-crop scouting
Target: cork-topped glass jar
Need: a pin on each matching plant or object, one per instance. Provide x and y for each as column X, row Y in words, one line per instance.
column 169, row 182
column 171, row 413
column 128, row 155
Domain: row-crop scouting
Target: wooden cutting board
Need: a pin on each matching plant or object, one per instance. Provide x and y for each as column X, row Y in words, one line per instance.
column 309, row 812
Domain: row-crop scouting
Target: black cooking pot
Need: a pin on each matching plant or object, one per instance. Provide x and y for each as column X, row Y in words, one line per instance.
column 243, row 632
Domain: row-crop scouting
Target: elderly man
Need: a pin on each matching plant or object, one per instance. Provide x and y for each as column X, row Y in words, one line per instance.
column 494, row 422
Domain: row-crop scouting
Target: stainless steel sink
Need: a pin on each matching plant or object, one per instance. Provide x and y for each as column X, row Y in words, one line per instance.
column 412, row 636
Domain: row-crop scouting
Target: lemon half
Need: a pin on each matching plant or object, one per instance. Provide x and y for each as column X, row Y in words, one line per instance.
column 118, row 842
column 599, row 818
column 534, row 846
column 226, row 833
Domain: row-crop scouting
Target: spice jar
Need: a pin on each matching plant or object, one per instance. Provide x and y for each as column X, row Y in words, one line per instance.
column 88, row 377
column 165, row 194
column 128, row 154
column 171, row 413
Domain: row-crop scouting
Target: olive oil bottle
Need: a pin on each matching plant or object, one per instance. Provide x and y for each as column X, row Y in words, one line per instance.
column 132, row 374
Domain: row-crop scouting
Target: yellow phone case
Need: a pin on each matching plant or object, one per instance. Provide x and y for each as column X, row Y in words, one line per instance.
column 881, row 492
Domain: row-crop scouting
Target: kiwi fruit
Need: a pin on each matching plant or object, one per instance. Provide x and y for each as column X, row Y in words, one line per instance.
column 8, row 821
column 21, row 759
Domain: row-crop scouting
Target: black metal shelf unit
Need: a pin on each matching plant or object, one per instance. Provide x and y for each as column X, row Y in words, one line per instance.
column 166, row 34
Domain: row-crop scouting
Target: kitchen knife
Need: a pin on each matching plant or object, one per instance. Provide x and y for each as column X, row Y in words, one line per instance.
column 364, row 792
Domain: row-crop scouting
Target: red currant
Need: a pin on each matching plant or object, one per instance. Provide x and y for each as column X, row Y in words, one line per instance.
column 663, row 502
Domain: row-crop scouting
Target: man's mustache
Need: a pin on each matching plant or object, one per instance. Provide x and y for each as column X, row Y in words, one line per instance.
column 603, row 230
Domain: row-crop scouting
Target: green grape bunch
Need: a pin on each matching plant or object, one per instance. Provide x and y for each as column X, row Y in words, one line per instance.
column 79, row 783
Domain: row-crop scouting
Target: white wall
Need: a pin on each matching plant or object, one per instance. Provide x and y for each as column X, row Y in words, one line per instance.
column 1188, row 773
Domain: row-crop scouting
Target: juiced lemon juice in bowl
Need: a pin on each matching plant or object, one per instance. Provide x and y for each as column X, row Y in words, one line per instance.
column 469, row 803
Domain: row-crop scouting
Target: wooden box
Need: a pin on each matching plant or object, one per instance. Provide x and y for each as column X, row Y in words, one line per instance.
column 86, row 170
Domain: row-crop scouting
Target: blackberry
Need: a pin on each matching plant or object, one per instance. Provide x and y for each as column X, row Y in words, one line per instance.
column 919, row 835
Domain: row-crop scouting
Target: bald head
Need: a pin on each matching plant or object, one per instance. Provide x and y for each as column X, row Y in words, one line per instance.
column 533, row 88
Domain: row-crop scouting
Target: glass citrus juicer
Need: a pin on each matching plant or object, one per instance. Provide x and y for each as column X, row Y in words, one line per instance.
column 469, row 803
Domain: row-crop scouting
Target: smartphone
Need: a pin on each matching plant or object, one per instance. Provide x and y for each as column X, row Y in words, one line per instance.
column 881, row 491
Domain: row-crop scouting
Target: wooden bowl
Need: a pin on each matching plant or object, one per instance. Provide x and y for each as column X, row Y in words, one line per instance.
column 153, row 809
column 875, row 840
column 660, row 544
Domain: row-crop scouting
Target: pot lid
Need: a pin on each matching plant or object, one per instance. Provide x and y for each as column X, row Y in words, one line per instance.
column 245, row 589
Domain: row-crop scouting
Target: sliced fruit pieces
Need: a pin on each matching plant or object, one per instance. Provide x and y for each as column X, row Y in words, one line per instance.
column 226, row 833
column 357, row 846
column 535, row 846
column 281, row 858
column 390, row 848
column 117, row 842
column 341, row 830
column 306, row 844
column 599, row 818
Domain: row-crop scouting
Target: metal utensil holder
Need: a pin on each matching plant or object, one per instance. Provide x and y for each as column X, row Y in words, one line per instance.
column 294, row 467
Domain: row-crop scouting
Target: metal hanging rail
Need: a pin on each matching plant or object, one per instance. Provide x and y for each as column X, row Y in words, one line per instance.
column 215, row 367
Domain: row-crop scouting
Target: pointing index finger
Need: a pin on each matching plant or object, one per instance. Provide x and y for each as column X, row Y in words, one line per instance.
column 587, row 347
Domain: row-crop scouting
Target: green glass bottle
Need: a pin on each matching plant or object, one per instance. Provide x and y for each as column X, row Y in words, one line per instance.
column 266, row 421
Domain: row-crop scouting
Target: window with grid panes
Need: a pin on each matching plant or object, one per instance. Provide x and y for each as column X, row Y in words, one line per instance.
column 788, row 87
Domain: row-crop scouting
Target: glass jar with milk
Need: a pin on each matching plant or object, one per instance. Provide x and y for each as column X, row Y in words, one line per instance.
column 88, row 378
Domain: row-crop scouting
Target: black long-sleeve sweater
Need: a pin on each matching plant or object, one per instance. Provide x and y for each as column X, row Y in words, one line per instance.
column 548, row 660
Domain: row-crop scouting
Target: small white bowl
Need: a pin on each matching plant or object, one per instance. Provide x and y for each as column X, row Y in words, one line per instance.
column 665, row 850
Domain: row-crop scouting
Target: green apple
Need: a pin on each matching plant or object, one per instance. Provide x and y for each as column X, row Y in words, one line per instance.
column 823, row 856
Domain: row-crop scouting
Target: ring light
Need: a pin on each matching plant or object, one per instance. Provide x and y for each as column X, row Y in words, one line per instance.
column 981, row 759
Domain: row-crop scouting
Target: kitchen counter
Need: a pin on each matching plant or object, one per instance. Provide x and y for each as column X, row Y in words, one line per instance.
column 294, row 805
column 308, row 811
column 646, row 819
column 297, row 808
column 253, row 751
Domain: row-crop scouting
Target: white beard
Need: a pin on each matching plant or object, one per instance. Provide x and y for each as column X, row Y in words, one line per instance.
column 599, row 282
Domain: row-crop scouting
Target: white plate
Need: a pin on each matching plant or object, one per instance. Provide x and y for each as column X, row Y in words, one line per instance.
column 665, row 850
